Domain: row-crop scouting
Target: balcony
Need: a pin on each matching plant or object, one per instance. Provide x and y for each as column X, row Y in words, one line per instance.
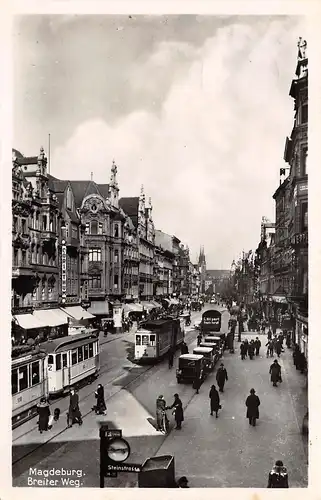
column 48, row 235
column 21, row 240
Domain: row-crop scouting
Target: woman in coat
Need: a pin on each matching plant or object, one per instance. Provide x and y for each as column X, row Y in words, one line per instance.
column 44, row 414
column 73, row 411
column 214, row 400
column 100, row 407
column 252, row 403
column 275, row 372
column 178, row 411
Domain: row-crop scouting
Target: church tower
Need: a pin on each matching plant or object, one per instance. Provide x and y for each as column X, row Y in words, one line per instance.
column 202, row 268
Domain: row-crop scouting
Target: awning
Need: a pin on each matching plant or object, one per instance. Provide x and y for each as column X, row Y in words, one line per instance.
column 99, row 308
column 27, row 321
column 167, row 300
column 77, row 312
column 51, row 317
column 148, row 305
column 174, row 302
column 133, row 307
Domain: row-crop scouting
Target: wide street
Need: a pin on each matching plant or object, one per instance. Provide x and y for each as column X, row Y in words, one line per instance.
column 223, row 452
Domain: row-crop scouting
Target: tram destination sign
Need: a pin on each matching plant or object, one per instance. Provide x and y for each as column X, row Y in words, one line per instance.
column 211, row 320
column 113, row 433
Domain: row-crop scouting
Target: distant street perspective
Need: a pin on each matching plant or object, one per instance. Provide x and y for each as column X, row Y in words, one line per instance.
column 159, row 303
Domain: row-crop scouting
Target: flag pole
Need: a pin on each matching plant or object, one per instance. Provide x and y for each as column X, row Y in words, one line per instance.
column 49, row 154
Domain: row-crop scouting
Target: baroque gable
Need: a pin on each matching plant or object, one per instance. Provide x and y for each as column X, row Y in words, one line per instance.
column 94, row 205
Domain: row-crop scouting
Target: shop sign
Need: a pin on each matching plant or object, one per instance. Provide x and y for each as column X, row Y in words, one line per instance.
column 64, row 269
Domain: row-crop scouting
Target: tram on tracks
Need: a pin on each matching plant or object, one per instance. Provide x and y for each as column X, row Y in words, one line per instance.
column 28, row 382
column 155, row 337
column 71, row 361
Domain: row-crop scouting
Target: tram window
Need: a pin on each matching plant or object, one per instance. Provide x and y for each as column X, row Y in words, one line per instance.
column 58, row 361
column 23, row 377
column 14, row 381
column 138, row 339
column 80, row 354
column 91, row 350
column 64, row 360
column 35, row 373
column 50, row 359
column 73, row 357
column 145, row 339
column 85, row 351
column 152, row 340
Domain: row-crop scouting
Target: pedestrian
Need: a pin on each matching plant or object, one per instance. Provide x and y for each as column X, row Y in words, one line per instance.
column 275, row 371
column 242, row 350
column 221, row 377
column 278, row 477
column 197, row 382
column 246, row 347
column 182, row 482
column 160, row 410
column 43, row 411
column 269, row 351
column 257, row 344
column 263, row 325
column 73, row 414
column 288, row 340
column 199, row 339
column 214, row 401
column 252, row 403
column 269, row 334
column 278, row 348
column 184, row 348
column 251, row 349
column 170, row 357
column 100, row 407
column 178, row 411
column 296, row 355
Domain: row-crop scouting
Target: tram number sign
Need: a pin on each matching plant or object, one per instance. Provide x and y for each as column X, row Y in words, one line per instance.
column 111, row 473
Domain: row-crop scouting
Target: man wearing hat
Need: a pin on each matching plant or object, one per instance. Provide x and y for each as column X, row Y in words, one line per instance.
column 178, row 411
column 278, row 477
column 182, row 482
column 221, row 376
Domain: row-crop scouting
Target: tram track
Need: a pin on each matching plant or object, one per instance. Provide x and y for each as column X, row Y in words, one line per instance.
column 188, row 338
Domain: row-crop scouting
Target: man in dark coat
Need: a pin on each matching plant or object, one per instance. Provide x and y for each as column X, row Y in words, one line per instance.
column 44, row 414
column 221, row 376
column 275, row 371
column 243, row 350
column 296, row 354
column 73, row 414
column 246, row 347
column 214, row 400
column 251, row 349
column 257, row 344
column 252, row 403
column 170, row 357
column 278, row 477
column 178, row 411
column 197, row 382
column 184, row 348
column 278, row 347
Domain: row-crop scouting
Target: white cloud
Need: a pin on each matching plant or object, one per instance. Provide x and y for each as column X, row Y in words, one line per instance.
column 210, row 158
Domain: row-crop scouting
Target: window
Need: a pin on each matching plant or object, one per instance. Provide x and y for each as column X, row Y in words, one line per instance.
column 100, row 228
column 95, row 255
column 91, row 350
column 304, row 154
column 23, row 378
column 116, row 231
column 94, row 227
column 50, row 291
column 64, row 360
column 80, row 354
column 67, row 229
column 14, row 381
column 15, row 257
column 87, row 228
column 50, row 359
column 304, row 217
column 94, row 281
column 86, row 352
column 116, row 280
column 15, row 224
column 23, row 226
column 73, row 357
column 116, row 257
column 44, row 223
column 23, row 258
column 51, row 224
column 152, row 340
column 35, row 373
column 43, row 290
column 69, row 199
column 74, row 232
column 58, row 361
column 304, row 113
column 138, row 340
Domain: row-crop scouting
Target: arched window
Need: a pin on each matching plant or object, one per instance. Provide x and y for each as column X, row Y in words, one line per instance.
column 69, row 199
column 94, row 227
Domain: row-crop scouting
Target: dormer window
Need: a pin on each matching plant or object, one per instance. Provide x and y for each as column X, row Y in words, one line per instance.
column 116, row 231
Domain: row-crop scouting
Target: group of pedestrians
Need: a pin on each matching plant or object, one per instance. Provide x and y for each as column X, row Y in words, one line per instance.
column 250, row 349
column 274, row 344
column 161, row 408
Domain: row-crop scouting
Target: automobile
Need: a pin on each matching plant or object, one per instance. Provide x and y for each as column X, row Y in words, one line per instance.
column 216, row 340
column 217, row 352
column 190, row 366
column 208, row 354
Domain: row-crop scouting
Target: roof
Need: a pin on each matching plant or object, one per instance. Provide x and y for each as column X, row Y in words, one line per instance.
column 191, row 357
column 156, row 323
column 28, row 160
column 59, row 186
column 130, row 207
column 202, row 349
column 73, row 216
column 55, row 344
column 104, row 190
column 17, row 153
column 81, row 189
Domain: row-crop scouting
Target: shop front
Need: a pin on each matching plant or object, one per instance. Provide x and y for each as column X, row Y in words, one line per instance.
column 78, row 318
column 302, row 333
column 39, row 325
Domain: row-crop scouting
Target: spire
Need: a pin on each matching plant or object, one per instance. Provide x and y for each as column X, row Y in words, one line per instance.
column 113, row 176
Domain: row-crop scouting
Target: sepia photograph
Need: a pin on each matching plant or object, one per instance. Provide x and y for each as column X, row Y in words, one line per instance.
column 159, row 292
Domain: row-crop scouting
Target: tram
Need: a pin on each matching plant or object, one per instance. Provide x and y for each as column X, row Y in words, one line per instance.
column 71, row 360
column 28, row 383
column 155, row 337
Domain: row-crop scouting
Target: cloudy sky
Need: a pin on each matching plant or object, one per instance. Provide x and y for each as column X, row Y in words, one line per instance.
column 194, row 108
